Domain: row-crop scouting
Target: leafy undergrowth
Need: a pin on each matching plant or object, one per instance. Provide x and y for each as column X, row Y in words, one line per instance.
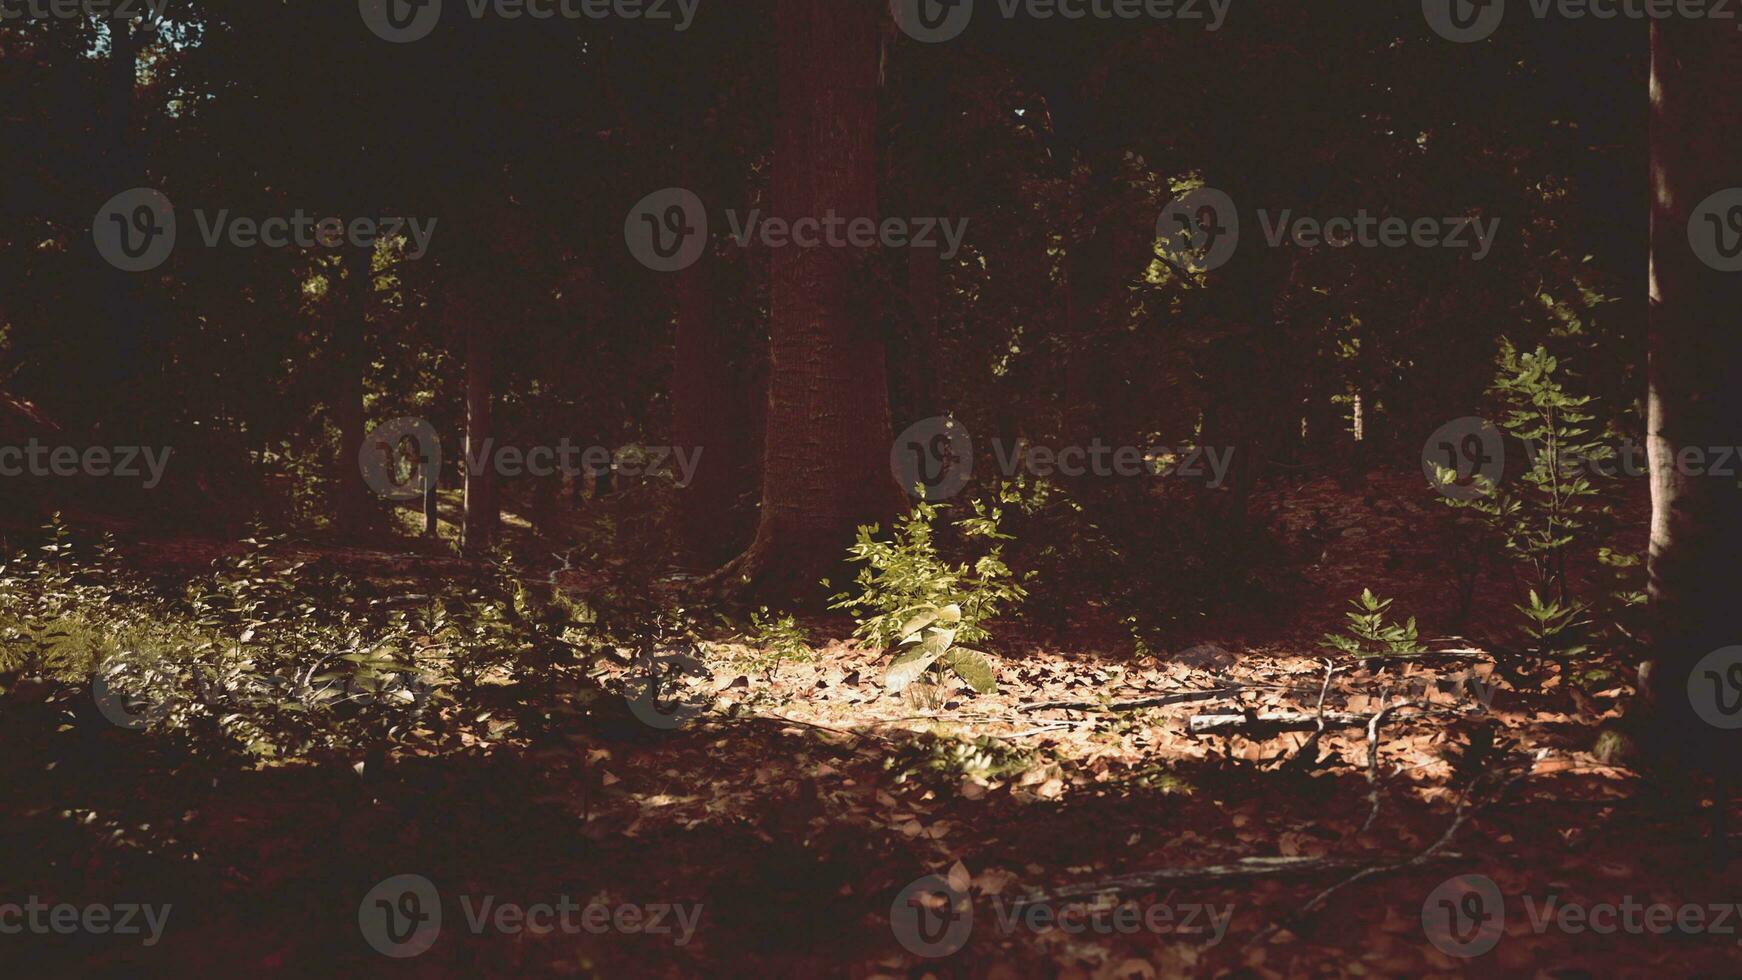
column 795, row 800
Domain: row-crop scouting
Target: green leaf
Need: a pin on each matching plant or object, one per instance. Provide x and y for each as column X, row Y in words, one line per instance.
column 911, row 629
column 972, row 666
column 914, row 661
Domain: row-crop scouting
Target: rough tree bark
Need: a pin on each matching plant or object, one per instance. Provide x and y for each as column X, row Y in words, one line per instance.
column 826, row 454
column 1695, row 374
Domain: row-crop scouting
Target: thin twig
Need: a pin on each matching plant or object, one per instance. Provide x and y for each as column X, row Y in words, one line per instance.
column 1459, row 818
column 1056, row 726
column 1373, row 759
column 1245, row 869
column 1300, row 757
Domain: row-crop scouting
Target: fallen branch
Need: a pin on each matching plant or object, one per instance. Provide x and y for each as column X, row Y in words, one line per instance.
column 1450, row 653
column 1266, row 724
column 1209, row 876
column 1180, row 697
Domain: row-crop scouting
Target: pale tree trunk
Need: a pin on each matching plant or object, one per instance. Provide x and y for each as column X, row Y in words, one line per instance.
column 826, row 456
column 482, row 515
column 1695, row 375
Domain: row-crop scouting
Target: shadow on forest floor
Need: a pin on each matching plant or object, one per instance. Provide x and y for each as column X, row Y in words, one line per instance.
column 791, row 817
column 795, row 836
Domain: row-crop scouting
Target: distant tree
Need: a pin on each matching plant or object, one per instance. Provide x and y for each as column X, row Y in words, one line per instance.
column 350, row 331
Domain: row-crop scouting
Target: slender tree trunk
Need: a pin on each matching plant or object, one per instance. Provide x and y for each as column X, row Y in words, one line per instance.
column 482, row 515
column 116, row 340
column 432, row 515
column 1695, row 373
column 826, row 457
column 349, row 330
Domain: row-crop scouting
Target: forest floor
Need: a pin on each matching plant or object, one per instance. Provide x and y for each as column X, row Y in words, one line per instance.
column 1089, row 836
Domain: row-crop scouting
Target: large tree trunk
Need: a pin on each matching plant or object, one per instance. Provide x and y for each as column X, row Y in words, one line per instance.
column 1695, row 375
column 826, row 458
